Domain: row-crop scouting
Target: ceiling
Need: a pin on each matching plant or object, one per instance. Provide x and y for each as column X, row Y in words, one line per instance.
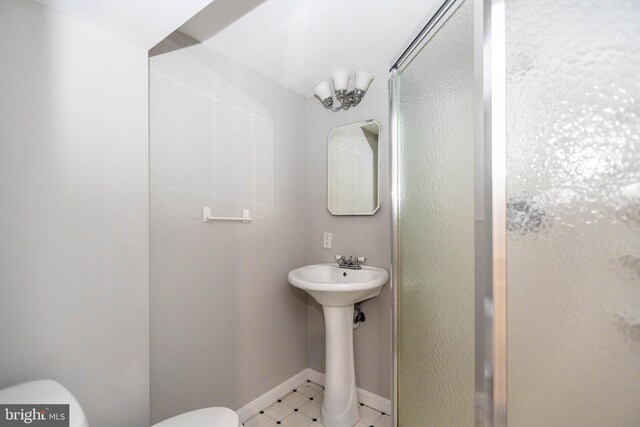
column 143, row 23
column 298, row 43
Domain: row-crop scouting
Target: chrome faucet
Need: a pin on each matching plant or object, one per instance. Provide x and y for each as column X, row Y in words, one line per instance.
column 352, row 263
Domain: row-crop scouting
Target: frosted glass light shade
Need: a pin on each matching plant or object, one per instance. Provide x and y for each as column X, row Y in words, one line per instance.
column 340, row 80
column 323, row 90
column 363, row 80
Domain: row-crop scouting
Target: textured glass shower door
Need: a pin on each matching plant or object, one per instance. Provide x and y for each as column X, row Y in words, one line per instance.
column 573, row 188
column 435, row 227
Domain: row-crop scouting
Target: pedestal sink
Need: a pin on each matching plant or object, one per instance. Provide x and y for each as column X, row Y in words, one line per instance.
column 337, row 289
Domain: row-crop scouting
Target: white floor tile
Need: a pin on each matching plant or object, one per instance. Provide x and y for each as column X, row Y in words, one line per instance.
column 384, row 421
column 297, row 420
column 369, row 416
column 278, row 411
column 301, row 407
column 295, row 399
column 260, row 420
column 311, row 409
column 309, row 389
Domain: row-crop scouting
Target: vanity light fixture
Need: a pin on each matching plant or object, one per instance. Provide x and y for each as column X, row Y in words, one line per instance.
column 346, row 99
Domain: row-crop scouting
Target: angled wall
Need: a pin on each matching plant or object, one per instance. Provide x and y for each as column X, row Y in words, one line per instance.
column 225, row 325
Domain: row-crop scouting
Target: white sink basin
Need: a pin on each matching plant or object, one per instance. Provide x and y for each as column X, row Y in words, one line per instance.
column 336, row 287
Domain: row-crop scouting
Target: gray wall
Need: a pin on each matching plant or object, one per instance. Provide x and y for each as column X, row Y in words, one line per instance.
column 225, row 324
column 368, row 236
column 74, row 218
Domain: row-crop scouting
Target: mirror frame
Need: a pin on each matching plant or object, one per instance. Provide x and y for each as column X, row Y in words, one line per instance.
column 377, row 208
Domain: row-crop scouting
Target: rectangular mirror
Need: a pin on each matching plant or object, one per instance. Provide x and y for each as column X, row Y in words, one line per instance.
column 353, row 169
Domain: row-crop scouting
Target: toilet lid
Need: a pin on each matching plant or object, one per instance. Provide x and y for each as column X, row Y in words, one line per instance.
column 206, row 417
column 44, row 392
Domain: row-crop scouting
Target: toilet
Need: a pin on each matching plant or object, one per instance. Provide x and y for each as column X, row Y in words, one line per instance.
column 52, row 392
column 206, row 417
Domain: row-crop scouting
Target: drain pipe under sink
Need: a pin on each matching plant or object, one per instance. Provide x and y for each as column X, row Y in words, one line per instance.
column 358, row 316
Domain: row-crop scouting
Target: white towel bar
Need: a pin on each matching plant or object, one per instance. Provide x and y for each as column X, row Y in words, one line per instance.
column 206, row 216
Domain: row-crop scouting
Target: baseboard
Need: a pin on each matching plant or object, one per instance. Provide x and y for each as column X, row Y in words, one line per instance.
column 261, row 402
column 374, row 401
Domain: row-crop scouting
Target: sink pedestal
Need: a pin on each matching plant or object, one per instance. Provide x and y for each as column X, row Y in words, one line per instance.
column 340, row 404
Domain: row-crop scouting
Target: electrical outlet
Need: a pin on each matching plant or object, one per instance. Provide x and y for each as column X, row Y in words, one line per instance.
column 327, row 240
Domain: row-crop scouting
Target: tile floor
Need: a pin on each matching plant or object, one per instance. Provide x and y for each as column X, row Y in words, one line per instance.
column 301, row 408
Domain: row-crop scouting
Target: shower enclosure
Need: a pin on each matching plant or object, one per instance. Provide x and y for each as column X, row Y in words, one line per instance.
column 516, row 274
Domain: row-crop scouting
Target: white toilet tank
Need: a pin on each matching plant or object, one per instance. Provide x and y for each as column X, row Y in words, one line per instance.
column 45, row 392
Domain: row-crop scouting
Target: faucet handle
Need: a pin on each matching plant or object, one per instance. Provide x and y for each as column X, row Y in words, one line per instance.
column 339, row 257
column 361, row 258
